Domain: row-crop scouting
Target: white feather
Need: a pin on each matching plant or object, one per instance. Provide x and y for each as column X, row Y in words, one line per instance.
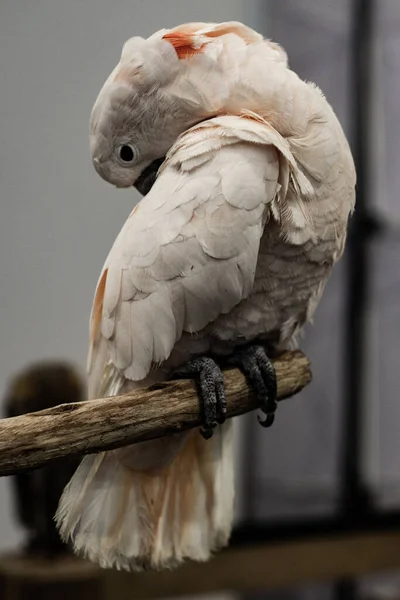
column 234, row 242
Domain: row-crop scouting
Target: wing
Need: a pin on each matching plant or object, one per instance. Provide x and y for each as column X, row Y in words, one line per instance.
column 188, row 251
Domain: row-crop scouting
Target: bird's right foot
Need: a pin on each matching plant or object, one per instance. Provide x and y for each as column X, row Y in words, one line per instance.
column 253, row 361
column 209, row 381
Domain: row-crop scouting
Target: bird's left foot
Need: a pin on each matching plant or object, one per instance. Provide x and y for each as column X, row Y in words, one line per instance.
column 259, row 371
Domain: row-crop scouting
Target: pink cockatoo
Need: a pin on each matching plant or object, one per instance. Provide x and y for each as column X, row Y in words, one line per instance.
column 249, row 183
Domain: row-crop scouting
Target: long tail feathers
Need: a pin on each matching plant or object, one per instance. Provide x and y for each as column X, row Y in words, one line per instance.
column 133, row 519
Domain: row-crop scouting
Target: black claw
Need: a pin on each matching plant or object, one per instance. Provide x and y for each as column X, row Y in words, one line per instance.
column 210, row 390
column 260, row 374
column 267, row 422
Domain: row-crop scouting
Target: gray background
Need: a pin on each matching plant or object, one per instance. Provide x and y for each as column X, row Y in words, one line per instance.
column 301, row 477
column 59, row 219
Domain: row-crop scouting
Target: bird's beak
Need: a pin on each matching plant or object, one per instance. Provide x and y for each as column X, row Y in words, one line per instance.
column 146, row 179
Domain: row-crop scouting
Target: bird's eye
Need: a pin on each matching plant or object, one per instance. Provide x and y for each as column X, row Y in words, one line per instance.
column 126, row 154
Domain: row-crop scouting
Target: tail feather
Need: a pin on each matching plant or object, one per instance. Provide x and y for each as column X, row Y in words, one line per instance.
column 132, row 519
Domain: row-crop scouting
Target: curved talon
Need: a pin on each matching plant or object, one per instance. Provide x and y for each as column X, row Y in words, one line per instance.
column 209, row 381
column 267, row 422
column 206, row 433
column 260, row 374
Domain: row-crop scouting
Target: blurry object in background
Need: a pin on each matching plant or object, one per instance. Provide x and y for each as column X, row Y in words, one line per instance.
column 45, row 568
column 37, row 492
column 381, row 587
column 61, row 578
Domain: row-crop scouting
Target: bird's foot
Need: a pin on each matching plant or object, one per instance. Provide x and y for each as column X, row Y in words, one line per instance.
column 210, row 390
column 254, row 363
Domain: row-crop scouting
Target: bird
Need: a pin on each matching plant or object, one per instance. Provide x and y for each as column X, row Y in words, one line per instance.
column 248, row 184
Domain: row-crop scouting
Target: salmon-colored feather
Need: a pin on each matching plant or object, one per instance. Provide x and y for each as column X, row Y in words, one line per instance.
column 231, row 28
column 183, row 44
column 98, row 306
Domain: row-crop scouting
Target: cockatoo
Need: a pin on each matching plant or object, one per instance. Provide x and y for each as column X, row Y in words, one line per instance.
column 249, row 183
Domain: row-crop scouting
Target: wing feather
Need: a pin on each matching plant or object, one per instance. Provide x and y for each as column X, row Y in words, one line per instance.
column 189, row 252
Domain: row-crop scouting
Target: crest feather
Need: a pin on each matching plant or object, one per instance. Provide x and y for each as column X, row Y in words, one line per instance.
column 185, row 44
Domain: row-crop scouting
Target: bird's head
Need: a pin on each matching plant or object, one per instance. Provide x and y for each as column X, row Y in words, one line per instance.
column 162, row 86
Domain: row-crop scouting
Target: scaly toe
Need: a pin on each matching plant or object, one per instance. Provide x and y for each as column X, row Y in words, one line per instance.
column 260, row 374
column 210, row 390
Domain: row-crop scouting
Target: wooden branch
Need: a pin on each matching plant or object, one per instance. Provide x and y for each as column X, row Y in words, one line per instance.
column 268, row 566
column 31, row 440
column 271, row 565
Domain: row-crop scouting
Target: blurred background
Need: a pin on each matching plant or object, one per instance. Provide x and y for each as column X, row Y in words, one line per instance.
column 333, row 454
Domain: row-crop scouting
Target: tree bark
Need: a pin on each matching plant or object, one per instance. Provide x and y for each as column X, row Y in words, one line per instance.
column 33, row 439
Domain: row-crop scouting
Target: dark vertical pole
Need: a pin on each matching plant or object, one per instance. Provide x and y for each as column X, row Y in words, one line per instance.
column 354, row 497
